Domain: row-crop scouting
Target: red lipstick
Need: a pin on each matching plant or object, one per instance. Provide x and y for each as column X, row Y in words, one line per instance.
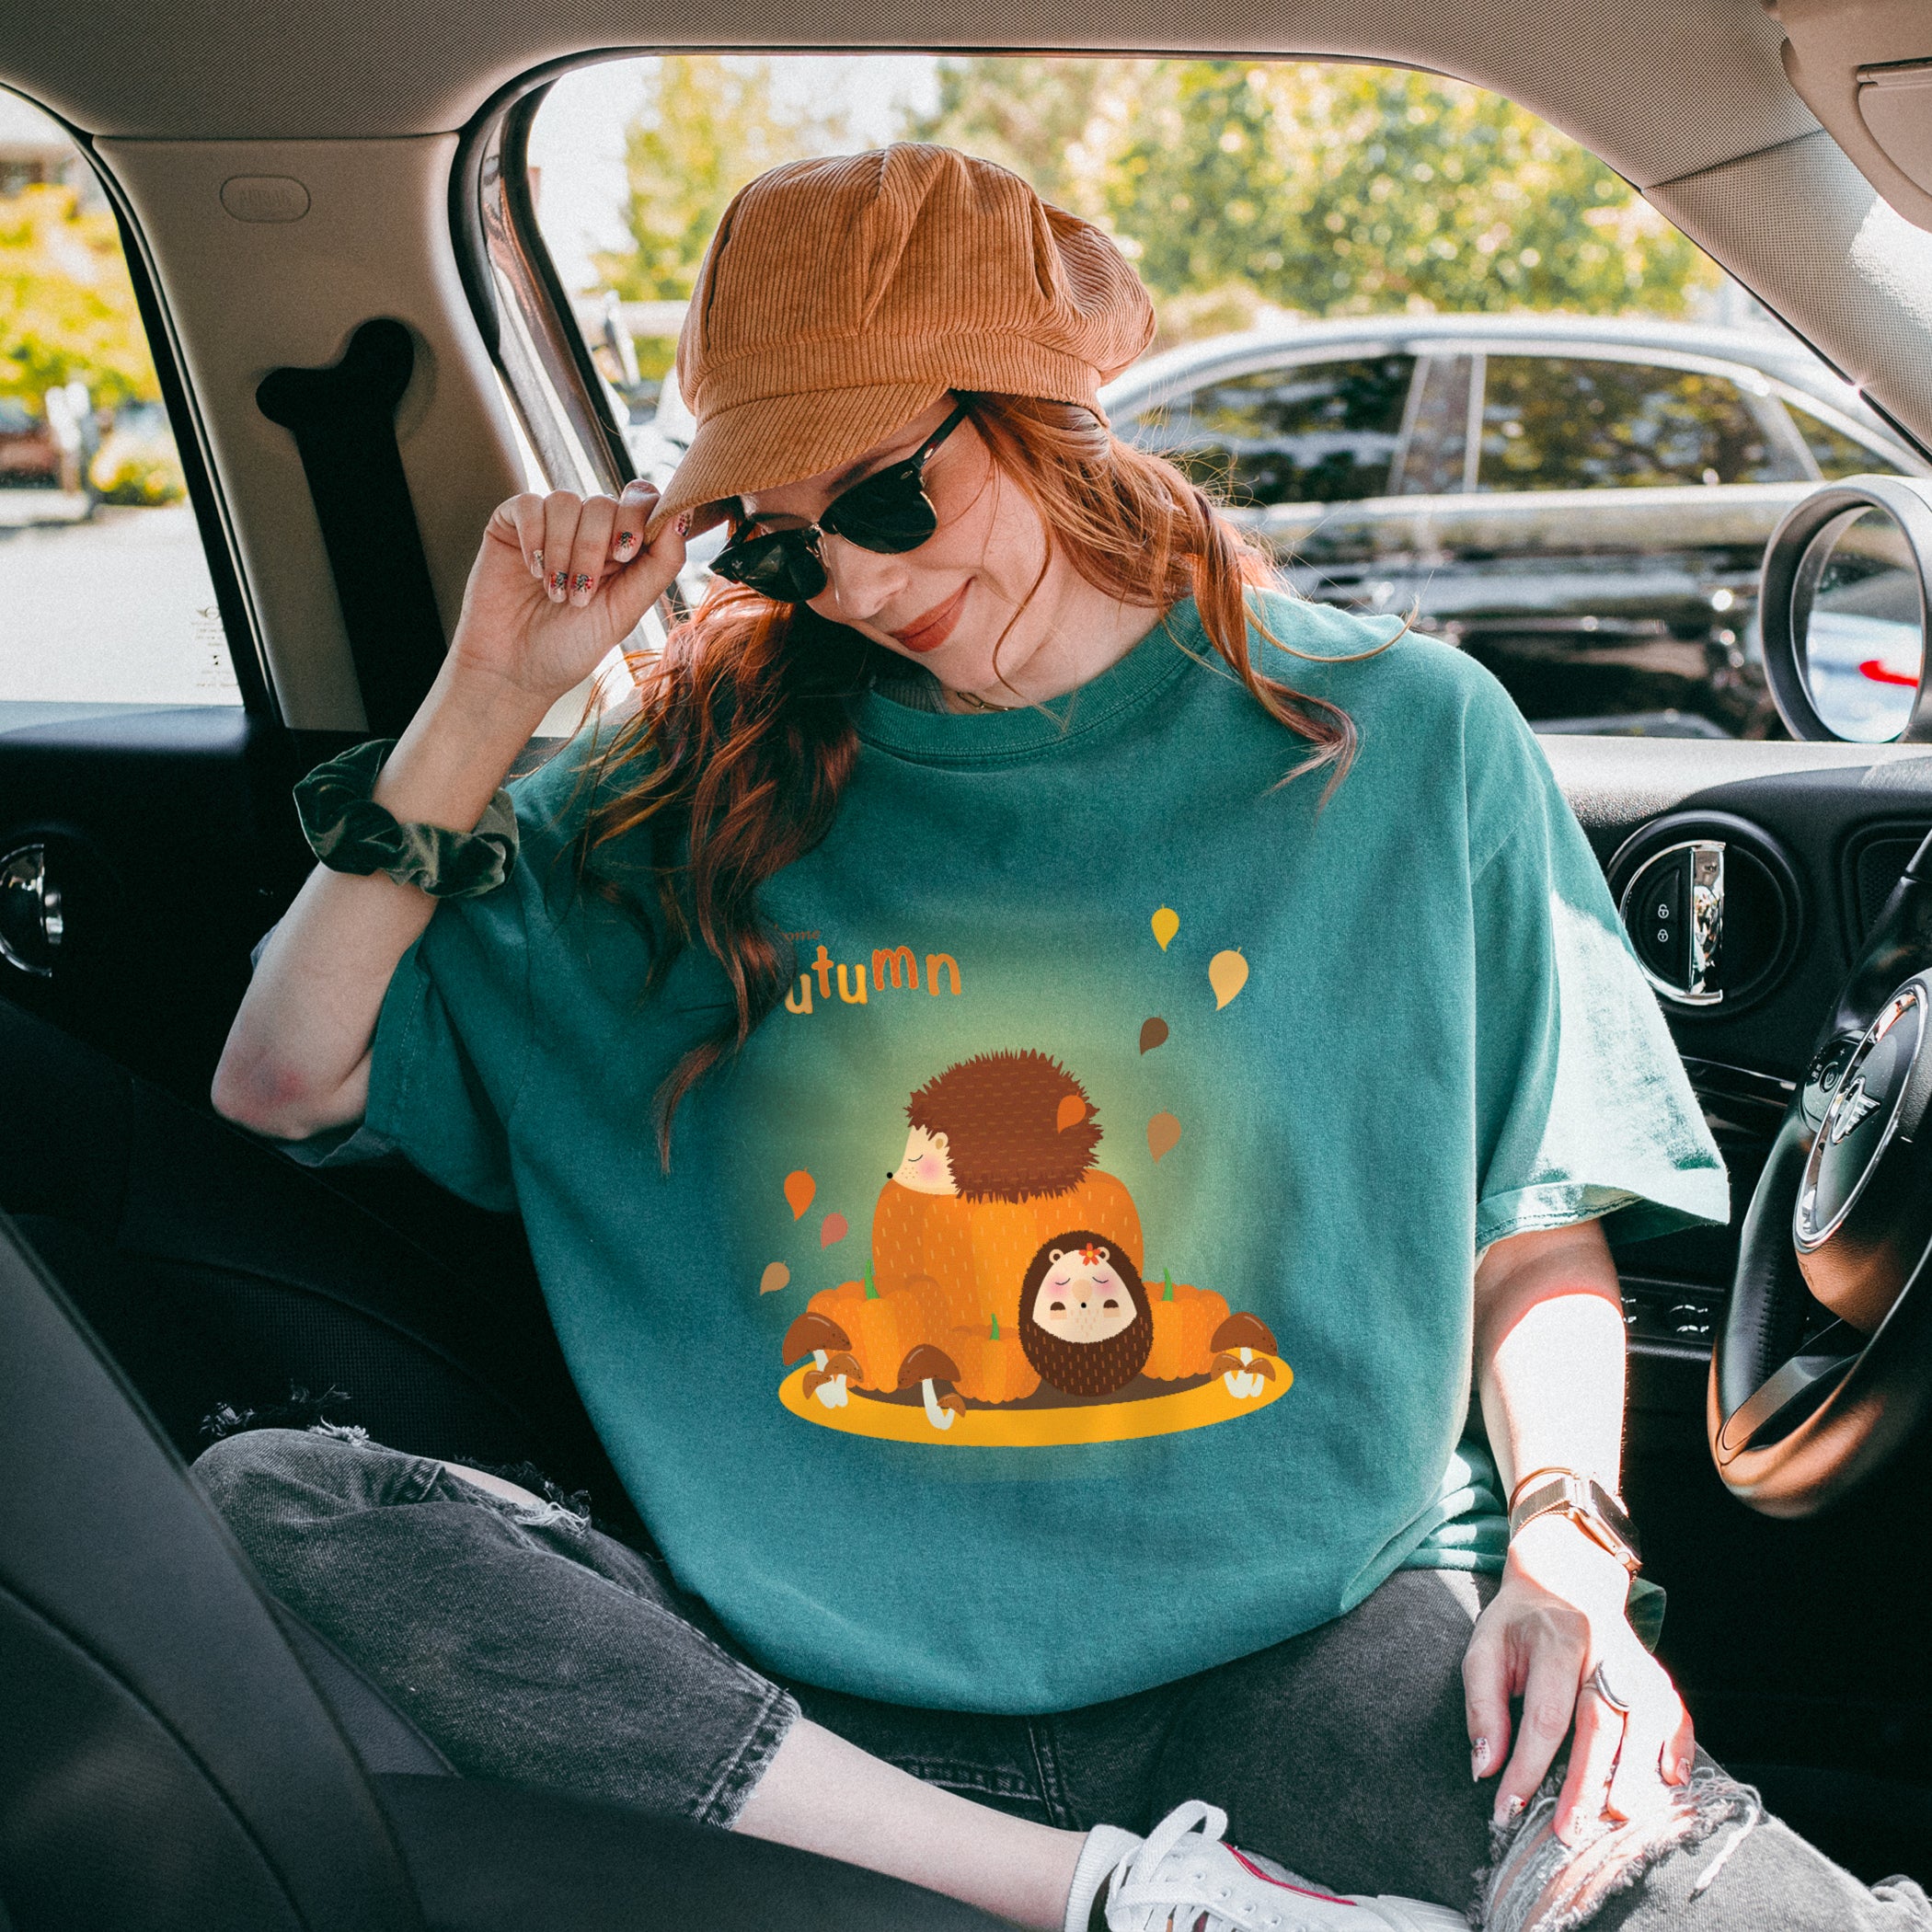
column 931, row 631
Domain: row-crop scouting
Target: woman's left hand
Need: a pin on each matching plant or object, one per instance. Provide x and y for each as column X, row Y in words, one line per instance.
column 1557, row 1617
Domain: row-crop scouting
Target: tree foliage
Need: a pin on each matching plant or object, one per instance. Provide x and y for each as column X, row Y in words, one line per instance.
column 1327, row 189
column 707, row 125
column 67, row 308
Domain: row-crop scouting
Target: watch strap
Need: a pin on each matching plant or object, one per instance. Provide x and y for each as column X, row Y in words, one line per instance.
column 1596, row 1511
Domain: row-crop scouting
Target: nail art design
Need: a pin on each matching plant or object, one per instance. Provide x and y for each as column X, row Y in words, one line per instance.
column 625, row 541
column 684, row 524
column 558, row 583
column 1479, row 1756
column 582, row 585
column 1511, row 1811
column 536, row 563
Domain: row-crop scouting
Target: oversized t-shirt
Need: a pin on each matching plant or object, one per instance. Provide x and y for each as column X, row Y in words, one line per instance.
column 1069, row 1286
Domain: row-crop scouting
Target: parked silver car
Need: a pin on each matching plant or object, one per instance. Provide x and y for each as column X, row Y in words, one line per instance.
column 1580, row 502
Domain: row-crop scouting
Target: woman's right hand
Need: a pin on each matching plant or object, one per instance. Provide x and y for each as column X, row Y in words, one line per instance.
column 559, row 581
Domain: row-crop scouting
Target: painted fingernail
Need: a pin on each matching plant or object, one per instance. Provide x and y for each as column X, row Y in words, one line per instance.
column 684, row 523
column 1478, row 1757
column 625, row 542
column 558, row 583
column 1509, row 1810
column 536, row 563
column 580, row 590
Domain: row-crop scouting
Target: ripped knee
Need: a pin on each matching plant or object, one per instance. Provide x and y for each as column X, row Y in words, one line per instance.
column 1537, row 1883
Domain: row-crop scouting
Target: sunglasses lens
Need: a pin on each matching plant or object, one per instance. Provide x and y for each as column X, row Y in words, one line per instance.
column 887, row 514
column 780, row 566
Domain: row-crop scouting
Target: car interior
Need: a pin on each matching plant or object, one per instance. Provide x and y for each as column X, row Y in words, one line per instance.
column 362, row 346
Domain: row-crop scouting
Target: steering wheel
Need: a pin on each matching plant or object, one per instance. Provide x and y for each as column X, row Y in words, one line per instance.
column 1823, row 1367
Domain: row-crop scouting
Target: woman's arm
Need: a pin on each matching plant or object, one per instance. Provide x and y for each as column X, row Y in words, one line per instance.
column 558, row 583
column 1549, row 1362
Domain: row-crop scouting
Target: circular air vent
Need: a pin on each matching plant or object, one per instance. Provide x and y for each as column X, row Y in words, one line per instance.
column 1712, row 908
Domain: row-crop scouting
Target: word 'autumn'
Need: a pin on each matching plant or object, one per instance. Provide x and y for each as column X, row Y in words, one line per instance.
column 892, row 965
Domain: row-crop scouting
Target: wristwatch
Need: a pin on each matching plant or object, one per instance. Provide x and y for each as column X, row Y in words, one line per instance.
column 1600, row 1515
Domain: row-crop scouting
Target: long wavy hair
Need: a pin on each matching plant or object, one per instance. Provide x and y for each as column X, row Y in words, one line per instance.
column 733, row 763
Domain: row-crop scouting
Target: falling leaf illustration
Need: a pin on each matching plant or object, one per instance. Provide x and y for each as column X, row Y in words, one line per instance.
column 774, row 1278
column 834, row 1230
column 799, row 1188
column 1163, row 1135
column 1153, row 1033
column 1167, row 923
column 1227, row 973
column 1072, row 1111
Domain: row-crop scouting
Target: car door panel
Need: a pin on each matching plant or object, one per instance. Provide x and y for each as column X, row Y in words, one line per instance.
column 169, row 837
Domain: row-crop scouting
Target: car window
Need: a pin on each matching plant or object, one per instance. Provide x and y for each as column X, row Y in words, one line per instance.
column 1312, row 433
column 1390, row 308
column 1557, row 422
column 105, row 592
column 1837, row 453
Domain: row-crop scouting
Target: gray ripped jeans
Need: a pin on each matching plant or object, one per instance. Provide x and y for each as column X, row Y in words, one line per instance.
column 530, row 1646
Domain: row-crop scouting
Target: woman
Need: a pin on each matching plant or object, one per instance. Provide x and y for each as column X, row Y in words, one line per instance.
column 1241, row 1026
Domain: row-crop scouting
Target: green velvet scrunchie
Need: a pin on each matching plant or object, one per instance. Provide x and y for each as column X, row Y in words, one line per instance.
column 349, row 831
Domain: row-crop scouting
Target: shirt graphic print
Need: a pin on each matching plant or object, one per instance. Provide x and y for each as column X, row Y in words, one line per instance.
column 1006, row 1296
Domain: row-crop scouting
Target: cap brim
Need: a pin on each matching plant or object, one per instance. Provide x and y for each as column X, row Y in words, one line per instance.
column 784, row 439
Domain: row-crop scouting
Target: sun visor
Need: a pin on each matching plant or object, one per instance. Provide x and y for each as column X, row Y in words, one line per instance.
column 1864, row 68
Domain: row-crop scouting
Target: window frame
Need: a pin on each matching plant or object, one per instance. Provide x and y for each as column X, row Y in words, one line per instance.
column 240, row 630
column 517, row 298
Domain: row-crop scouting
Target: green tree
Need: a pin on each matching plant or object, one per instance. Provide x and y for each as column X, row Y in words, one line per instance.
column 708, row 124
column 1329, row 190
column 1034, row 115
column 68, row 309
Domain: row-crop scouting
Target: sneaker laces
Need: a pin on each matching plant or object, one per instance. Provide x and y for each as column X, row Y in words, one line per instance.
column 1143, row 1898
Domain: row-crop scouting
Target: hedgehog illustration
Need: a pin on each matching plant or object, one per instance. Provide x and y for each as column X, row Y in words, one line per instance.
column 1085, row 1321
column 999, row 1152
column 1009, row 1126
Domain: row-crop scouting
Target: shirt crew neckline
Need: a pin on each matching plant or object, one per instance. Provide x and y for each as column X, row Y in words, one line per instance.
column 1175, row 642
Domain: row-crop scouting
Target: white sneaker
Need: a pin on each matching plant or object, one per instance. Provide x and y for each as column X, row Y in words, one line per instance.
column 1182, row 1878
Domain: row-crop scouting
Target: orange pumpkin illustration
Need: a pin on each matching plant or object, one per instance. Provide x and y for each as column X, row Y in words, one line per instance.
column 1185, row 1319
column 993, row 1364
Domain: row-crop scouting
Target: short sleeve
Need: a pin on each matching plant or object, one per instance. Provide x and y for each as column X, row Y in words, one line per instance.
column 1584, row 1106
column 450, row 1050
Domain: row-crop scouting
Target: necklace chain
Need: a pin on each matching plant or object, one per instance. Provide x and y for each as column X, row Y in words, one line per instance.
column 977, row 702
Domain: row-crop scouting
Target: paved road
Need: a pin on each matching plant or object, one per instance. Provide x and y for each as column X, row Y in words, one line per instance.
column 115, row 610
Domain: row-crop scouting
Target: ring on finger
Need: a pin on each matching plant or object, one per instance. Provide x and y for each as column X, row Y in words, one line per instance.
column 1601, row 1685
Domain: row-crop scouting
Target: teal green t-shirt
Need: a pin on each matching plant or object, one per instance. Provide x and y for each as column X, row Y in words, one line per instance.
column 1141, row 1119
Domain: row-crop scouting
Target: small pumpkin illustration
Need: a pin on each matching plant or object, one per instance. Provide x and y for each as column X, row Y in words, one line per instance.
column 878, row 1330
column 1185, row 1321
column 993, row 1364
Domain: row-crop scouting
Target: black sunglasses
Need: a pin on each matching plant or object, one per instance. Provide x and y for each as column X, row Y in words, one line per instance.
column 888, row 513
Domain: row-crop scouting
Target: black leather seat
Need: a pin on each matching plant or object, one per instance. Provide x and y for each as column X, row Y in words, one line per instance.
column 169, row 1760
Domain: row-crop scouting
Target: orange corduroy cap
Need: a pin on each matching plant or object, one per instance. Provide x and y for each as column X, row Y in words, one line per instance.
column 842, row 297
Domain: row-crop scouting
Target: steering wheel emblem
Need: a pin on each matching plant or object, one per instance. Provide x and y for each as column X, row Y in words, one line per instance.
column 1852, row 1108
column 1873, row 1084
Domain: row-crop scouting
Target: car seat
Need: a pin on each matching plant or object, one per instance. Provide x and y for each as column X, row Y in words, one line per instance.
column 173, row 1760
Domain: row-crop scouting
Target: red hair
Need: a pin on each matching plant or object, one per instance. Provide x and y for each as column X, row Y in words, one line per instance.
column 734, row 766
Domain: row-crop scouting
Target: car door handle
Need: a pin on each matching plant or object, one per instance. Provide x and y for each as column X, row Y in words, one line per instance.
column 32, row 925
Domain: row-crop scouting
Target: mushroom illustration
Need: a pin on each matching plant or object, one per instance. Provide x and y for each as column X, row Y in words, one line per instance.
column 813, row 1333
column 1243, row 1344
column 830, row 1377
column 1244, row 1331
column 931, row 1367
